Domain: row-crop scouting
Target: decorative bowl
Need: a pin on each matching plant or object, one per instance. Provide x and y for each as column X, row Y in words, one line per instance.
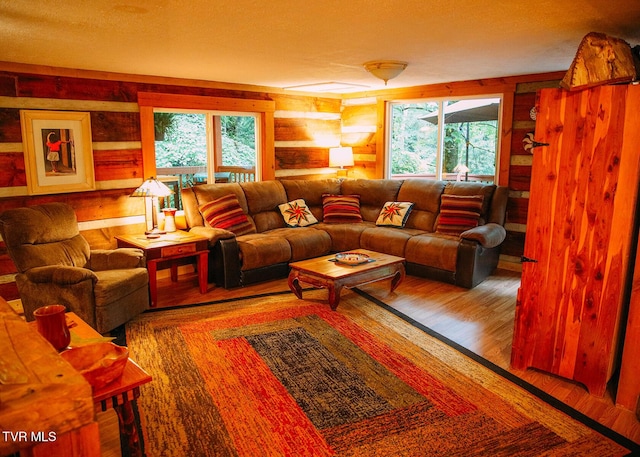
column 352, row 258
column 99, row 363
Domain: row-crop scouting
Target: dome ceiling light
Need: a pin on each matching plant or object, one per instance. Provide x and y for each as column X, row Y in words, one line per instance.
column 385, row 69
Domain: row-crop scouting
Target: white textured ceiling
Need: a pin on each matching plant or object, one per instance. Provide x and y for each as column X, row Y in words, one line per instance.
column 282, row 43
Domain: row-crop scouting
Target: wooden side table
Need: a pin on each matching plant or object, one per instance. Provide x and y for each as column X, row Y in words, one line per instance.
column 169, row 247
column 121, row 394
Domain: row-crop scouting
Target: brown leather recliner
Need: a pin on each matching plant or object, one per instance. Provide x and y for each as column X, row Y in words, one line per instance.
column 55, row 264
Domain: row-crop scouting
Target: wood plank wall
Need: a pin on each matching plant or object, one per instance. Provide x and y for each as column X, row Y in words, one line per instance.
column 520, row 168
column 306, row 126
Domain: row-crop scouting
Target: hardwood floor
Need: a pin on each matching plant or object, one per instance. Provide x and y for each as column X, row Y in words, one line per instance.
column 480, row 319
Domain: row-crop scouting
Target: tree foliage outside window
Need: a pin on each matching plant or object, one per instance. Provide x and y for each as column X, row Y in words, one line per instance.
column 238, row 140
column 185, row 142
column 415, row 142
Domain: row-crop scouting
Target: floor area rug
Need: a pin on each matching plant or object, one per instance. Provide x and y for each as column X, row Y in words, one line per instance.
column 279, row 376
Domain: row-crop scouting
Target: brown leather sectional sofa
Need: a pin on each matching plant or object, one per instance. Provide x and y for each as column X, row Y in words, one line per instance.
column 235, row 260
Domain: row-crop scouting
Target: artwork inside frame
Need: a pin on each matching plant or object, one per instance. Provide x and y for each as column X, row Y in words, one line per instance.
column 58, row 152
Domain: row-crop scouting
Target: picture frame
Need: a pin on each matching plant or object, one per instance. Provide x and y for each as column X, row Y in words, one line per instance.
column 58, row 151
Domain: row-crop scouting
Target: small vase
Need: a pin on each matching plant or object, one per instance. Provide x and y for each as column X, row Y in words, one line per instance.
column 169, row 219
column 52, row 325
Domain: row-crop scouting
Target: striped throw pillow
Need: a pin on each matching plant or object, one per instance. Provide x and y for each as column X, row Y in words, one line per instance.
column 458, row 213
column 341, row 208
column 226, row 213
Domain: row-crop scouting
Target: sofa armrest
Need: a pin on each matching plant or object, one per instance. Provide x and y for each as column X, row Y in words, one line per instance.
column 488, row 235
column 116, row 259
column 213, row 234
column 60, row 274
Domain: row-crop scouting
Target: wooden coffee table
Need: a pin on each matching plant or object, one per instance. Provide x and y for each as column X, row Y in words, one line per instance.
column 324, row 272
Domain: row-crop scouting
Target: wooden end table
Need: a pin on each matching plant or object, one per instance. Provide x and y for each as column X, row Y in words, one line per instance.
column 121, row 394
column 168, row 247
column 324, row 272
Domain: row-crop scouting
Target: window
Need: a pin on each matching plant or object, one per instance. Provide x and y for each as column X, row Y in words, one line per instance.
column 232, row 128
column 447, row 139
column 205, row 146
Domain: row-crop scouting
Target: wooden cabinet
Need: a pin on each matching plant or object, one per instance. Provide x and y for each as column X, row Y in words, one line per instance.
column 628, row 393
column 46, row 407
column 581, row 232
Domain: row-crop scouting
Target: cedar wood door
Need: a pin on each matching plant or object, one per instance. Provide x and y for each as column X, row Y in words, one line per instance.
column 580, row 228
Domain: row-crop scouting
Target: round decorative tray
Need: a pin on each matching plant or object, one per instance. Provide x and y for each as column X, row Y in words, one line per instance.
column 99, row 363
column 352, row 258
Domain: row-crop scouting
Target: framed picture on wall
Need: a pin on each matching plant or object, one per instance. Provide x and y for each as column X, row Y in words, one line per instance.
column 58, row 153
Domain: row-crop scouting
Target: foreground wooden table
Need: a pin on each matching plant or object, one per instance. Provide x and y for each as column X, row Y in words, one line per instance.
column 120, row 394
column 324, row 272
column 46, row 407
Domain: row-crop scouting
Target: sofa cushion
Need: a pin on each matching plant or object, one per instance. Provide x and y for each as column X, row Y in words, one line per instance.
column 338, row 209
column 296, row 214
column 374, row 193
column 458, row 213
column 260, row 250
column 194, row 197
column 44, row 235
column 425, row 194
column 394, row 214
column 344, row 237
column 434, row 250
column 311, row 191
column 112, row 285
column 225, row 213
column 473, row 188
column 263, row 198
column 305, row 242
column 389, row 240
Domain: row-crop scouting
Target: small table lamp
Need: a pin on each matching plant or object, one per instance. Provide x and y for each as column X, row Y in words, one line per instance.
column 460, row 169
column 341, row 157
column 152, row 189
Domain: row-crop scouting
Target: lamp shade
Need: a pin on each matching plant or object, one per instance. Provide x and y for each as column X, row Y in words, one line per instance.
column 341, row 157
column 152, row 188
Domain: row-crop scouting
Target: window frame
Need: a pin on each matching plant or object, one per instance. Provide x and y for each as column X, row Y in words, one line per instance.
column 440, row 101
column 213, row 134
column 263, row 110
column 506, row 91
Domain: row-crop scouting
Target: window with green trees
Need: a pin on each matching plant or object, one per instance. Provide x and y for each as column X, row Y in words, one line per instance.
column 448, row 139
column 197, row 139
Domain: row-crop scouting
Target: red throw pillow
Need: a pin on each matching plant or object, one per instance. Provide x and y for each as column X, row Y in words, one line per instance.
column 226, row 213
column 341, row 208
column 458, row 213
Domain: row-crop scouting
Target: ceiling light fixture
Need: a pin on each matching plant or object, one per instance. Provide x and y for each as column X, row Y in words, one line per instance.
column 385, row 69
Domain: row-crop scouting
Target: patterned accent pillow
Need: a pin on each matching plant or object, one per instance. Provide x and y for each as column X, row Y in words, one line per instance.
column 394, row 214
column 296, row 214
column 341, row 208
column 226, row 213
column 458, row 213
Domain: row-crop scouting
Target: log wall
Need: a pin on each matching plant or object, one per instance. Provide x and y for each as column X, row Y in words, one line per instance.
column 306, row 126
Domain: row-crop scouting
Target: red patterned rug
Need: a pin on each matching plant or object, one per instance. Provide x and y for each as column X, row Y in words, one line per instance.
column 278, row 376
